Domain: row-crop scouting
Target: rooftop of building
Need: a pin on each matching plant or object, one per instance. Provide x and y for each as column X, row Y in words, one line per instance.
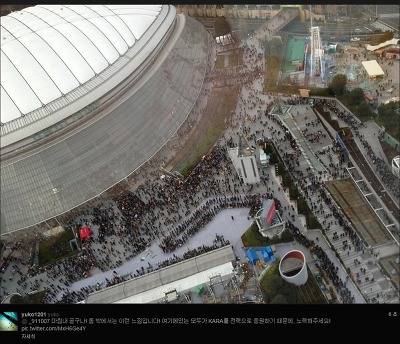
column 244, row 148
column 181, row 276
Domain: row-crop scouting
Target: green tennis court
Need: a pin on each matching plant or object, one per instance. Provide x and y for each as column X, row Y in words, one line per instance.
column 294, row 52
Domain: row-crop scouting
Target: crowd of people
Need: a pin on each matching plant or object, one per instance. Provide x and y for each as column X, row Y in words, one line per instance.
column 171, row 210
column 390, row 181
column 74, row 296
column 203, row 215
column 324, row 263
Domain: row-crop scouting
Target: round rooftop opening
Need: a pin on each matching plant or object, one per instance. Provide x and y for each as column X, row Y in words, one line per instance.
column 293, row 267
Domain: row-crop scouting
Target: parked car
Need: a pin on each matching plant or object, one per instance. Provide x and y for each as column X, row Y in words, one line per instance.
column 354, row 39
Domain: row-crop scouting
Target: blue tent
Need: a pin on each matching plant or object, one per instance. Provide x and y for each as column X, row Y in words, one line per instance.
column 265, row 256
column 269, row 250
column 252, row 255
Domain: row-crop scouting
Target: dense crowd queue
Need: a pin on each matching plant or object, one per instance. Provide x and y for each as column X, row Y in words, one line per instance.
column 390, row 181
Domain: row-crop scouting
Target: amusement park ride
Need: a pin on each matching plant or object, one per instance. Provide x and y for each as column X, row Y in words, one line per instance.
column 316, row 55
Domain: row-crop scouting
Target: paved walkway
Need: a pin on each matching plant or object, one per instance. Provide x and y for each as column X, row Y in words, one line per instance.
column 313, row 235
column 371, row 133
column 222, row 224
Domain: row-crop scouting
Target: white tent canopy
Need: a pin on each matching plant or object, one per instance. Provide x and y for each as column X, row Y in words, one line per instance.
column 373, row 68
column 393, row 41
column 48, row 51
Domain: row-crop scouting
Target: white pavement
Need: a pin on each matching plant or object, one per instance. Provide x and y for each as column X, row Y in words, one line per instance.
column 222, row 224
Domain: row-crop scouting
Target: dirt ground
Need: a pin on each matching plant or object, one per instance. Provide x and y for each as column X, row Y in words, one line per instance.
column 204, row 135
column 358, row 211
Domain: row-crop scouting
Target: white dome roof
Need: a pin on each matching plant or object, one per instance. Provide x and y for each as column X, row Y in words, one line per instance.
column 49, row 50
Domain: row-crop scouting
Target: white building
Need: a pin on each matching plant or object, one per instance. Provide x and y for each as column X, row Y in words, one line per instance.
column 373, row 69
column 244, row 160
column 264, row 158
column 396, row 166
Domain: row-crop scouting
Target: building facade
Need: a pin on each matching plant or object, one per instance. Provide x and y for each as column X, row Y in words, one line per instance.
column 245, row 163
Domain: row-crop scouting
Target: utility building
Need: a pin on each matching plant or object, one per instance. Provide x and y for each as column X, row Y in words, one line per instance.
column 244, row 160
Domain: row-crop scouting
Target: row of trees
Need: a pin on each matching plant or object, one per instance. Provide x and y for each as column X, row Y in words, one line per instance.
column 389, row 117
column 253, row 238
column 276, row 290
column 353, row 99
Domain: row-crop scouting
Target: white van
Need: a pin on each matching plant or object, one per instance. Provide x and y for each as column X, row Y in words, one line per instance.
column 264, row 159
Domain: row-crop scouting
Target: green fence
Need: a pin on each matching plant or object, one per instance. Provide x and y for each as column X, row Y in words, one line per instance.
column 389, row 139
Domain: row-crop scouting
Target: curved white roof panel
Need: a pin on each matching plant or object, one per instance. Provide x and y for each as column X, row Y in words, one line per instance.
column 96, row 148
column 48, row 51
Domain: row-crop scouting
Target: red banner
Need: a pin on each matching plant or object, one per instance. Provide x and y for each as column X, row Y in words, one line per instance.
column 271, row 212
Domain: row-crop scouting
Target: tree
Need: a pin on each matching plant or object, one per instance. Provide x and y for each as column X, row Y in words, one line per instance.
column 271, row 284
column 279, row 299
column 286, row 236
column 222, row 27
column 338, row 84
column 364, row 110
column 389, row 116
column 323, row 92
column 356, row 96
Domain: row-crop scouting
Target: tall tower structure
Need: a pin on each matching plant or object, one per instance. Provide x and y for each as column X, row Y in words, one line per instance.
column 316, row 54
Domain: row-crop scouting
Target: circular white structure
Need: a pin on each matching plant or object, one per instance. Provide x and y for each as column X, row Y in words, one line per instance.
column 89, row 93
column 293, row 267
column 7, row 299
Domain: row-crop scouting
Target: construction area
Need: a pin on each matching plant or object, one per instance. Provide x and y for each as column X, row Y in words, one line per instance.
column 357, row 210
column 241, row 287
column 212, row 277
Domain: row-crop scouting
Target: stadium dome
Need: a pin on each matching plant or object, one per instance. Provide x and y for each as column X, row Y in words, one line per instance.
column 50, row 51
column 88, row 94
